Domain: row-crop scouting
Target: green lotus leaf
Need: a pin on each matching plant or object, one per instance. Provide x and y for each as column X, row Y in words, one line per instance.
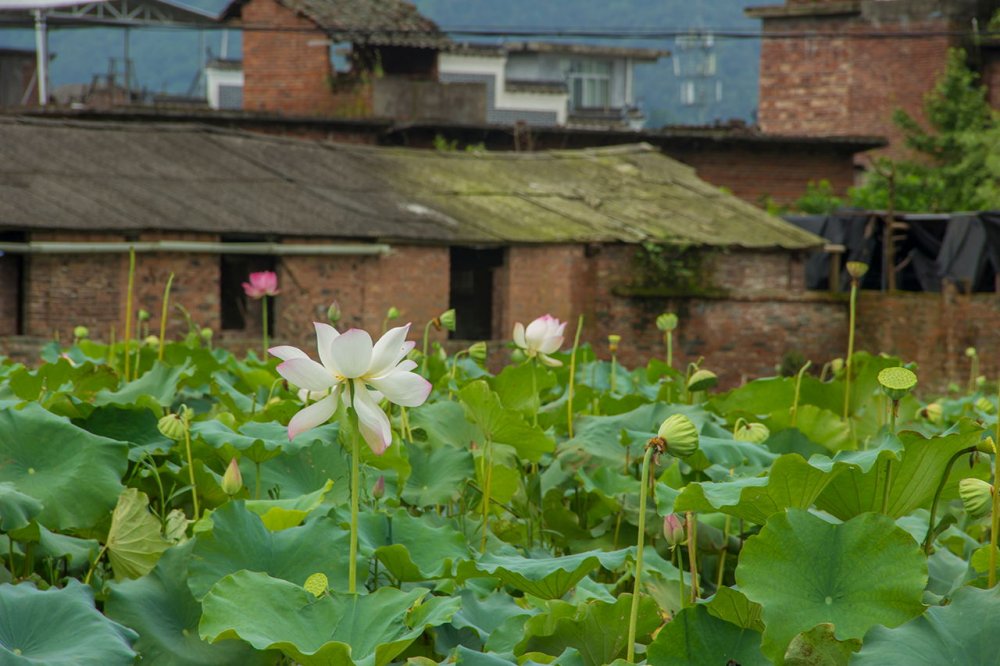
column 820, row 647
column 59, row 627
column 303, row 472
column 78, row 552
column 134, row 540
column 546, row 578
column 437, row 475
column 484, row 409
column 772, row 395
column 160, row 384
column 16, row 508
column 821, row 426
column 239, row 540
column 417, row 550
column 74, row 474
column 697, row 638
column 259, row 442
column 914, row 477
column 161, row 608
column 966, row 631
column 854, row 575
column 518, row 391
column 485, row 615
column 280, row 514
column 349, row 629
column 597, row 630
column 791, row 483
column 731, row 605
column 135, row 426
column 444, row 423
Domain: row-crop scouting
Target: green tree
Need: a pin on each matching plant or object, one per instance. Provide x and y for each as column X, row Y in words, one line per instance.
column 956, row 164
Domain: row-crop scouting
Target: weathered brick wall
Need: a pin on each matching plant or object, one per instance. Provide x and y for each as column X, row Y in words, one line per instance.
column 537, row 280
column 933, row 330
column 289, row 70
column 828, row 85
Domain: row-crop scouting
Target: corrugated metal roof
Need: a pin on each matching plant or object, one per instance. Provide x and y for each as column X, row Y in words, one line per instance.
column 133, row 177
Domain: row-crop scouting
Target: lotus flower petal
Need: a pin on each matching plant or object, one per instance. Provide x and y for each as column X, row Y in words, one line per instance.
column 388, row 351
column 403, row 388
column 325, row 335
column 306, row 373
column 314, row 415
column 287, row 352
column 372, row 421
column 351, row 353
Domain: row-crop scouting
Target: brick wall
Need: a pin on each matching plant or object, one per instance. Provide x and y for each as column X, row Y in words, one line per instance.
column 823, row 85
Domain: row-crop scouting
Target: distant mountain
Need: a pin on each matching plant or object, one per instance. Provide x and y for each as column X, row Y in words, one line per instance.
column 169, row 60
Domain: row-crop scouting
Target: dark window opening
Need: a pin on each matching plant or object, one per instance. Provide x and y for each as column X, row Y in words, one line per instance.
column 237, row 311
column 471, row 292
column 12, row 288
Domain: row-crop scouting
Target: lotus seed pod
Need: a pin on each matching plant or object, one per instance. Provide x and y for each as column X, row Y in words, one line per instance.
column 702, row 380
column 172, row 426
column 227, row 419
column 613, row 341
column 81, row 332
column 392, row 312
column 977, row 496
column 680, row 434
column 987, row 445
column 970, row 352
column 206, row 334
column 666, row 321
column 857, row 269
column 378, row 490
column 984, row 405
column 447, row 320
column 897, row 382
column 933, row 412
column 333, row 313
column 756, row 433
column 232, row 480
column 673, row 530
column 317, row 584
column 477, row 351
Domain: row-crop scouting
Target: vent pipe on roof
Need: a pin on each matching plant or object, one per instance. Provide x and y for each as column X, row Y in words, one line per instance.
column 278, row 249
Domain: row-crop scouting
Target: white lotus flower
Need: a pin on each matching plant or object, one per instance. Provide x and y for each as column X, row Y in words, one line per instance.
column 543, row 336
column 354, row 370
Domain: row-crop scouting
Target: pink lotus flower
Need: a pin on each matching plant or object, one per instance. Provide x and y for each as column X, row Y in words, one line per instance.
column 264, row 283
column 357, row 372
column 543, row 336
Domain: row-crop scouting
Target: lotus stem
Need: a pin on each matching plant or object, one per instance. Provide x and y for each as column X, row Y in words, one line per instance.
column 678, row 551
column 128, row 309
column 722, row 555
column 670, row 348
column 487, row 458
column 93, row 566
column 427, row 333
column 894, row 410
column 454, row 368
column 798, row 388
column 928, row 540
column 263, row 311
column 572, row 378
column 692, row 529
column 537, row 402
column 613, row 364
column 190, row 460
column 163, row 317
column 352, row 572
column 256, row 492
column 850, row 347
column 640, row 544
column 994, row 529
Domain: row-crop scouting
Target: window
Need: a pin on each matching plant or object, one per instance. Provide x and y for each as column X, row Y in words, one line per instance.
column 590, row 84
column 237, row 312
column 471, row 292
column 12, row 285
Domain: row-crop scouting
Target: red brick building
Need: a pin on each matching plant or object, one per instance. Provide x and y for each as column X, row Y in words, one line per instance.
column 502, row 237
column 842, row 67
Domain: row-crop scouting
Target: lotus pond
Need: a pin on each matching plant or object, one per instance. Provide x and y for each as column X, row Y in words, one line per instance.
column 564, row 510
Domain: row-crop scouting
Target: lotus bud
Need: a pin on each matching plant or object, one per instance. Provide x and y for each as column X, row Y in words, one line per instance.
column 317, row 584
column 666, row 321
column 977, row 496
column 172, row 426
column 897, row 382
column 673, row 530
column 151, row 341
column 477, row 351
column 333, row 313
column 980, row 381
column 378, row 490
column 232, row 480
column 81, row 332
column 447, row 320
column 953, row 387
column 970, row 352
column 226, row 419
column 933, row 412
column 392, row 313
column 987, row 445
column 836, row 365
column 613, row 341
column 518, row 356
column 755, row 433
column 857, row 269
column 702, row 380
column 984, row 405
column 143, row 315
column 206, row 334
column 680, row 434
